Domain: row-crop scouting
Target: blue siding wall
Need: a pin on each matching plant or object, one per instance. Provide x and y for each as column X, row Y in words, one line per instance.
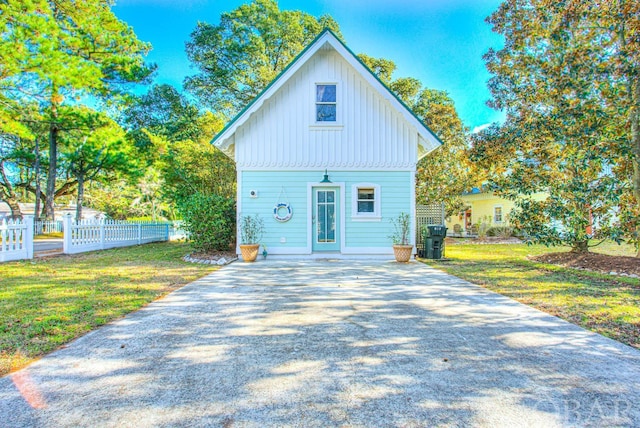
column 396, row 189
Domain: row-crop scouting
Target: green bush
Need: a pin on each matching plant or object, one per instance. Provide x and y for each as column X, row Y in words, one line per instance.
column 210, row 221
column 500, row 231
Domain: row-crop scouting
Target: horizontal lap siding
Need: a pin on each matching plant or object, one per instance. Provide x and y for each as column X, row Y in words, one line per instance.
column 269, row 184
column 395, row 187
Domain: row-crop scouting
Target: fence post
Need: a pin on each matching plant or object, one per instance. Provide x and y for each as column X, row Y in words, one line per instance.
column 102, row 225
column 167, row 232
column 139, row 233
column 27, row 239
column 66, row 234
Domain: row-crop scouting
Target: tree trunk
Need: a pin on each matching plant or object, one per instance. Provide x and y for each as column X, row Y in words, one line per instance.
column 80, row 197
column 8, row 194
column 580, row 247
column 15, row 208
column 36, row 209
column 51, row 177
column 53, row 157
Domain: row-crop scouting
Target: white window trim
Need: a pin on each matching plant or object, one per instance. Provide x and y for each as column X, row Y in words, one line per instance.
column 339, row 106
column 502, row 214
column 376, row 215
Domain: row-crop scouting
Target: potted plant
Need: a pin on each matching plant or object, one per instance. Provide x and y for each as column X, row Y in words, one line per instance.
column 402, row 249
column 251, row 230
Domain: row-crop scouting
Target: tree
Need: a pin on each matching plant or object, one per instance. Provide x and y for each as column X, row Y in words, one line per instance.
column 163, row 112
column 446, row 173
column 57, row 51
column 560, row 135
column 174, row 137
column 250, row 46
column 196, row 166
column 98, row 153
column 9, row 154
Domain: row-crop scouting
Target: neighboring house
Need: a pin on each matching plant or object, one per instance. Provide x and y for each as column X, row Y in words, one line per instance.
column 326, row 112
column 60, row 212
column 481, row 206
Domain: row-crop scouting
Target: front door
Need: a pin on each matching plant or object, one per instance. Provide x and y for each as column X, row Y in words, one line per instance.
column 326, row 224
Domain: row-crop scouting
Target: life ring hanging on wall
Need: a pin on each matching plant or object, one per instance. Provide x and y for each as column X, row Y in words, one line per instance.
column 282, row 211
column 282, row 206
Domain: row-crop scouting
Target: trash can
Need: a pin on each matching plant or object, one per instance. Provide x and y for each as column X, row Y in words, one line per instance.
column 434, row 241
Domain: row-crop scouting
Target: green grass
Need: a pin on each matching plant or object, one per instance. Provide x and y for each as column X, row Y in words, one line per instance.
column 48, row 302
column 598, row 302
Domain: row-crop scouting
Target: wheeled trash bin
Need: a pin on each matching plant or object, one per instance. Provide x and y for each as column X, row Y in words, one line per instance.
column 434, row 242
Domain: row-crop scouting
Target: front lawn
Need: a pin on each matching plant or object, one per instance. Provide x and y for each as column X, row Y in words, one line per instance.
column 606, row 304
column 48, row 302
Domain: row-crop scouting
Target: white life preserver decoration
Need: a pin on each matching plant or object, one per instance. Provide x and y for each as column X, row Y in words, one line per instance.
column 278, row 216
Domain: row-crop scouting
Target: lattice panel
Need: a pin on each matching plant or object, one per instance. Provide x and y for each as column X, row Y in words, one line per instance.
column 428, row 215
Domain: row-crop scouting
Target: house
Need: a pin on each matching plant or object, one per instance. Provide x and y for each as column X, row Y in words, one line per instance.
column 327, row 156
column 481, row 206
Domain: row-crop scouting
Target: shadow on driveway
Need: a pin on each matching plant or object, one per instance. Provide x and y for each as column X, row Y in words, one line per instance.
column 330, row 343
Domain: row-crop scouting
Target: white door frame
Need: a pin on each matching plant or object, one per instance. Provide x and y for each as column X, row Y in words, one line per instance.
column 341, row 213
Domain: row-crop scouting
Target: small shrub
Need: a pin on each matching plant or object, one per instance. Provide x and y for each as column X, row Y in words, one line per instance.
column 481, row 227
column 401, row 226
column 209, row 221
column 501, row 231
column 251, row 229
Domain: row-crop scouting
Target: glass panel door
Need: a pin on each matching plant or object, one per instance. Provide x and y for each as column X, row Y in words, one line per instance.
column 326, row 230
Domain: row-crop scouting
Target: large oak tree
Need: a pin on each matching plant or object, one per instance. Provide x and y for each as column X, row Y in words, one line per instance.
column 567, row 80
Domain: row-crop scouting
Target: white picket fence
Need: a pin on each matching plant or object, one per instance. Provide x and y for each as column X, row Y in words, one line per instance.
column 16, row 239
column 91, row 235
column 45, row 227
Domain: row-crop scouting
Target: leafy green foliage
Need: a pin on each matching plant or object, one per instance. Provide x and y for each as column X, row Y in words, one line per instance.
column 55, row 53
column 446, row 173
column 401, row 228
column 96, row 154
column 251, row 229
column 209, row 221
column 561, row 135
column 173, row 137
column 250, row 46
column 162, row 112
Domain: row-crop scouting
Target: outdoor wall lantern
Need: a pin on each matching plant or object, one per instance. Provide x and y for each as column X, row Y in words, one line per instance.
column 326, row 177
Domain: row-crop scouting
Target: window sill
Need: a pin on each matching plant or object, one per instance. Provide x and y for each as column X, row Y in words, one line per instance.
column 370, row 218
column 321, row 126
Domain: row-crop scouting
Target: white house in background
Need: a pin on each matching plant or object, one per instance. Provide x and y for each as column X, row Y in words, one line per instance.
column 326, row 112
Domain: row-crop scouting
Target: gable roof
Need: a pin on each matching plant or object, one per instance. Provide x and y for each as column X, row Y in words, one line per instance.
column 427, row 139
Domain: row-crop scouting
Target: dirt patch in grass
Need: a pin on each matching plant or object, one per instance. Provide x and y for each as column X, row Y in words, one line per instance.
column 629, row 266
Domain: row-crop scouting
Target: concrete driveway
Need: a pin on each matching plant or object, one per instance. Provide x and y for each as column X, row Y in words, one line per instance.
column 330, row 343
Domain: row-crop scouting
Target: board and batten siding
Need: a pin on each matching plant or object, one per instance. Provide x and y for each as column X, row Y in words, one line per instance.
column 359, row 237
column 369, row 132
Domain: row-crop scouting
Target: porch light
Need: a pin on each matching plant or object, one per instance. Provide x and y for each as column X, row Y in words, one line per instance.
column 326, row 177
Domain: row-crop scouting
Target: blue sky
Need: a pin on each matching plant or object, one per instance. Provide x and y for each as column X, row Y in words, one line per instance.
column 439, row 42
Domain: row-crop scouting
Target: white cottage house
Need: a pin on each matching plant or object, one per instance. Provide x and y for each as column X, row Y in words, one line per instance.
column 327, row 156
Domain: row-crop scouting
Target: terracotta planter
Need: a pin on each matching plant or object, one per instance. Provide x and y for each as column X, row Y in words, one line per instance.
column 402, row 252
column 249, row 252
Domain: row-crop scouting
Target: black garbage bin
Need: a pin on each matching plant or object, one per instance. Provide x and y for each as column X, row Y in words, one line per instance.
column 434, row 242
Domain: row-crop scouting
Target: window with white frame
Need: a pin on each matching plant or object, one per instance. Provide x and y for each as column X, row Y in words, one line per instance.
column 326, row 103
column 497, row 214
column 366, row 202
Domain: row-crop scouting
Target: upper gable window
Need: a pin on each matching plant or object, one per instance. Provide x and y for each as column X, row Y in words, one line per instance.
column 326, row 103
